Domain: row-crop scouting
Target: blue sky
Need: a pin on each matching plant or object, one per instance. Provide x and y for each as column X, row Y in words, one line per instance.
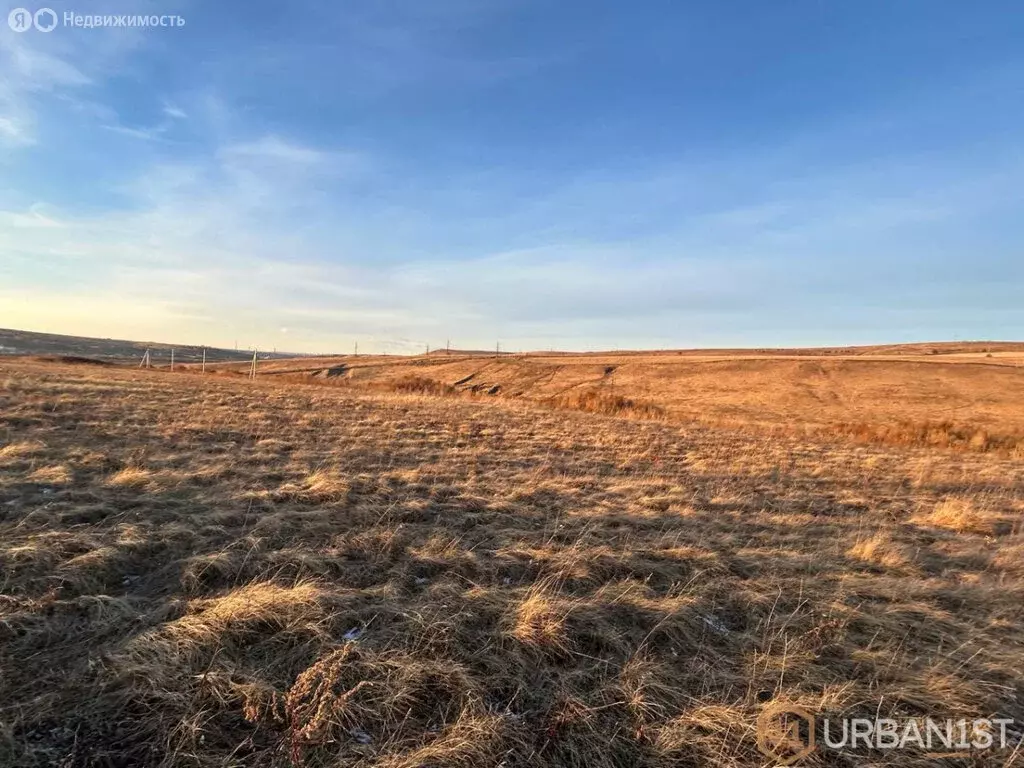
column 592, row 175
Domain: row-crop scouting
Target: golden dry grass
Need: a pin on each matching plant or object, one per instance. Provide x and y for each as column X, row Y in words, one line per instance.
column 966, row 398
column 961, row 515
column 878, row 548
column 204, row 571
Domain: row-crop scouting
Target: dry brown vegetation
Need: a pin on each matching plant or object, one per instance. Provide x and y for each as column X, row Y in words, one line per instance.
column 207, row 571
column 965, row 398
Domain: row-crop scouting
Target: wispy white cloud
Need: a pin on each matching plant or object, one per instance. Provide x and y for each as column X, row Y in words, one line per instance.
column 28, row 74
column 38, row 72
column 145, row 134
column 274, row 148
column 34, row 217
column 13, row 131
column 175, row 112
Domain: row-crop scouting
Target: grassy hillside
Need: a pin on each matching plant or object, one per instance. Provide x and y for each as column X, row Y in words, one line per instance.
column 968, row 399
column 113, row 350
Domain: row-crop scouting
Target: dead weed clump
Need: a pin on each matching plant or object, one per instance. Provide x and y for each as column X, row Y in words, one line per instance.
column 607, row 404
column 389, row 699
column 936, row 434
column 421, row 385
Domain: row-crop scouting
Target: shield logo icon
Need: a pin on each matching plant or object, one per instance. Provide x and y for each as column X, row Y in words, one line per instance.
column 785, row 733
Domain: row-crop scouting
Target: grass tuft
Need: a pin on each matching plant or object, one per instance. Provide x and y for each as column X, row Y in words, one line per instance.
column 959, row 515
column 130, row 477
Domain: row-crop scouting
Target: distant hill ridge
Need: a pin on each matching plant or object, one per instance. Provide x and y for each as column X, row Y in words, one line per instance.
column 14, row 342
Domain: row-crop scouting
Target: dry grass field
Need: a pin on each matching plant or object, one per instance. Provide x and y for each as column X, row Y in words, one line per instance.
column 968, row 395
column 210, row 571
